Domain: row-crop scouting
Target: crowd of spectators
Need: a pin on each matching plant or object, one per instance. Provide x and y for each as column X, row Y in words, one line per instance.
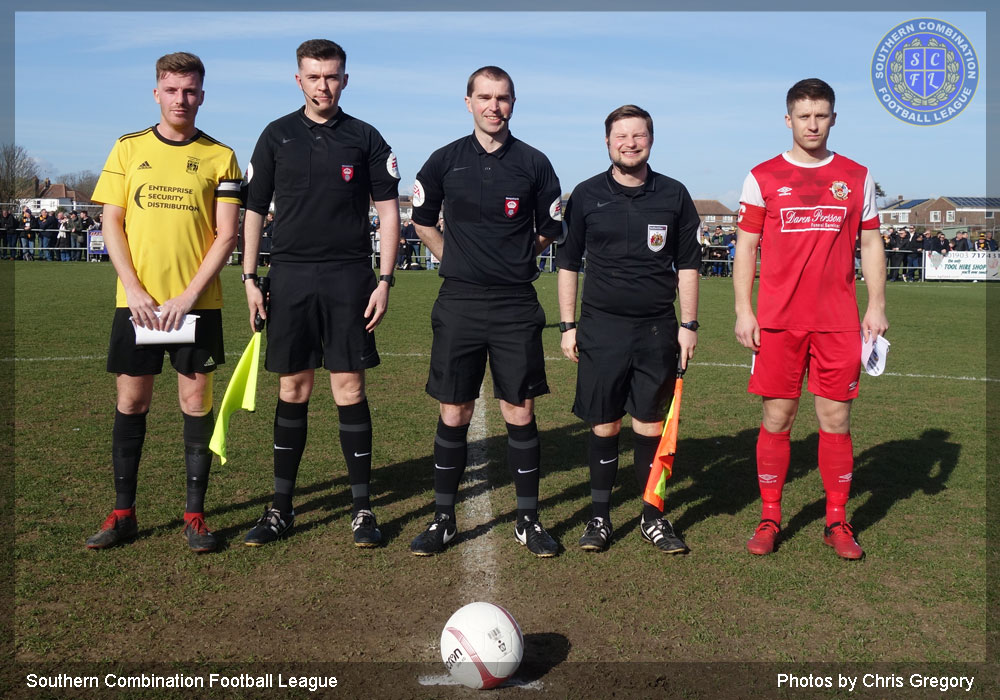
column 59, row 236
column 905, row 248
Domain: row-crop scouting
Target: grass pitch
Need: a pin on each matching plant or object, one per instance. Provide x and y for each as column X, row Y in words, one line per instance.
column 918, row 505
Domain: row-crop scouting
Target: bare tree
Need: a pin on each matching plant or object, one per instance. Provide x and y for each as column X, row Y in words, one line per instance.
column 17, row 173
column 83, row 182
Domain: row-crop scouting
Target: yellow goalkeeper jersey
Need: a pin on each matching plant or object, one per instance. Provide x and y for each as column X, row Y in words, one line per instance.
column 168, row 190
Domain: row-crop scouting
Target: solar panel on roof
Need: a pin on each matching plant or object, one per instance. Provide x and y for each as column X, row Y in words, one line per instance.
column 977, row 202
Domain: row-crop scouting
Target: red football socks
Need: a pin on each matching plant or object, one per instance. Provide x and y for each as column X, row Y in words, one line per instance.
column 773, row 455
column 836, row 466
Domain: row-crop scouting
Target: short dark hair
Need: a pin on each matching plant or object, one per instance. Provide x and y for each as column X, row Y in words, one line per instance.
column 809, row 89
column 626, row 112
column 493, row 73
column 321, row 50
column 181, row 63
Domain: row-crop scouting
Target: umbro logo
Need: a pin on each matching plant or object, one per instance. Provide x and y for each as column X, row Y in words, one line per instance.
column 784, row 191
column 145, row 166
column 767, row 478
column 845, row 478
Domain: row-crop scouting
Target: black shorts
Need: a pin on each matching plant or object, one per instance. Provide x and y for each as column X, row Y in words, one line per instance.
column 316, row 317
column 201, row 357
column 626, row 366
column 471, row 322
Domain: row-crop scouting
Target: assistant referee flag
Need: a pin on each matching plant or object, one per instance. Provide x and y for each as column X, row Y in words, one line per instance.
column 241, row 393
column 663, row 461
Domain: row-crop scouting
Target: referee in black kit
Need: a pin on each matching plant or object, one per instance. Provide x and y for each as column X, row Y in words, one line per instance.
column 321, row 166
column 501, row 207
column 640, row 233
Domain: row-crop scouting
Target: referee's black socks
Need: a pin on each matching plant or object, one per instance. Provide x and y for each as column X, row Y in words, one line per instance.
column 645, row 450
column 523, row 458
column 356, row 444
column 602, row 457
column 127, row 436
column 451, row 450
column 291, row 422
column 197, row 459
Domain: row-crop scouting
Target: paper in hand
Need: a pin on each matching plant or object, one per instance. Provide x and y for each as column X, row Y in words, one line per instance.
column 184, row 334
column 873, row 355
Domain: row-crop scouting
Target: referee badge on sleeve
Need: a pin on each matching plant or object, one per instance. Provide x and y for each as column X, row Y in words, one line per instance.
column 656, row 237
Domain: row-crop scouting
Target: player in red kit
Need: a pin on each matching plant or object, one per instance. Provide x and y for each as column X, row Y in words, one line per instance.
column 805, row 209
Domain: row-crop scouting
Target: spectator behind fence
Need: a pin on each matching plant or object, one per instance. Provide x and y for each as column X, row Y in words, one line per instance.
column 79, row 239
column 961, row 242
column 28, row 225
column 911, row 254
column 265, row 240
column 48, row 227
column 62, row 238
column 8, row 230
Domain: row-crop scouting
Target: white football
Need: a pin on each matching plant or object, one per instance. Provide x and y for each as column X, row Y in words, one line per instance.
column 481, row 645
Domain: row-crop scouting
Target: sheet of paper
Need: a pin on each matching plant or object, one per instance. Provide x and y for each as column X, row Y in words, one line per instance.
column 184, row 334
column 873, row 355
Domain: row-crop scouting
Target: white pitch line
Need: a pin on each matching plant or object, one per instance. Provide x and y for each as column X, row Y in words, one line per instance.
column 908, row 375
column 509, row 683
column 479, row 554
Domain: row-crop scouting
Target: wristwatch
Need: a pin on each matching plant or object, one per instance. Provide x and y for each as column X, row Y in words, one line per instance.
column 391, row 279
column 249, row 276
column 691, row 325
column 563, row 326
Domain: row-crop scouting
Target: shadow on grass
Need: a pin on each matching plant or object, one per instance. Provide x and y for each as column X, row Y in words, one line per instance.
column 888, row 473
column 717, row 472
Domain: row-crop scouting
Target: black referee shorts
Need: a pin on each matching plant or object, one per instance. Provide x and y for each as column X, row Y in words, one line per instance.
column 316, row 317
column 626, row 366
column 471, row 322
column 202, row 356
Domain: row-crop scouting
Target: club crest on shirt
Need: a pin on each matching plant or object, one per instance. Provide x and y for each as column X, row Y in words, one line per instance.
column 839, row 190
column 510, row 206
column 347, row 172
column 656, row 237
column 192, row 164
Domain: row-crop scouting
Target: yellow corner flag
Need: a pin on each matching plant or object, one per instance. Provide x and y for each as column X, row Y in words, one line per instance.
column 241, row 393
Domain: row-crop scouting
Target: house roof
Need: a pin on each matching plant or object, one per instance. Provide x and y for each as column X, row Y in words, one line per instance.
column 975, row 202
column 712, row 206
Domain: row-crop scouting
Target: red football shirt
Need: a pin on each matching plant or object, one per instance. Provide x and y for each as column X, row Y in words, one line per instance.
column 809, row 216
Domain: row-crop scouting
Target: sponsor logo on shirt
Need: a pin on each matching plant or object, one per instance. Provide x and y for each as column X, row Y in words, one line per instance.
column 839, row 190
column 347, row 172
column 819, row 218
column 392, row 166
column 418, row 194
column 555, row 211
column 656, row 237
column 510, row 206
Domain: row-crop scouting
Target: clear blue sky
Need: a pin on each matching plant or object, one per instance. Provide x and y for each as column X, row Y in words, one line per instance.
column 714, row 83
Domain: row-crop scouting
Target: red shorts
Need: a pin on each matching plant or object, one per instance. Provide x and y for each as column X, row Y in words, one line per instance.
column 833, row 360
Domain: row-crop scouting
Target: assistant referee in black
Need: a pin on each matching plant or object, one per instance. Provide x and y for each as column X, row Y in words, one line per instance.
column 321, row 166
column 501, row 202
column 639, row 230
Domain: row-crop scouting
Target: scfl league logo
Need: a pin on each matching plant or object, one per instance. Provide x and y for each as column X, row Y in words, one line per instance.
column 925, row 71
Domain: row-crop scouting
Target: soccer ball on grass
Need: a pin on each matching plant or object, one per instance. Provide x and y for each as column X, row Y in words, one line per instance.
column 481, row 645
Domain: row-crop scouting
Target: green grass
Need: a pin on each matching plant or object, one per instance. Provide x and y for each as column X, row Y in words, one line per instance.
column 918, row 504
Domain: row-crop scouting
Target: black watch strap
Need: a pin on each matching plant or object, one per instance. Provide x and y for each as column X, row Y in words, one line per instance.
column 391, row 279
column 563, row 326
column 691, row 326
column 249, row 276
